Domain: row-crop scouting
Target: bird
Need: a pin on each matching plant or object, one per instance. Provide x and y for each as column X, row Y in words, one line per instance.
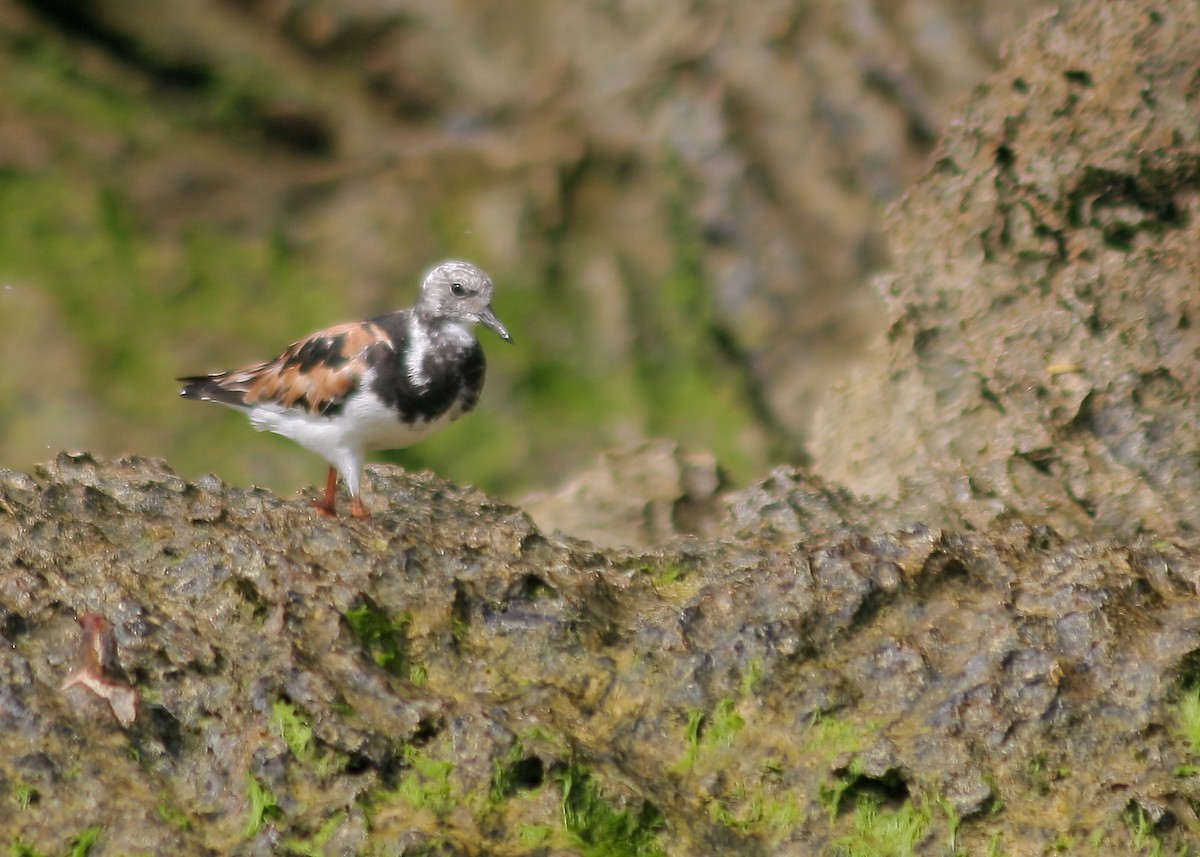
column 384, row 383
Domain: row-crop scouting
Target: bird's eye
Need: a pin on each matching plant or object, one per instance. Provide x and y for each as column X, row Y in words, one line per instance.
column 457, row 290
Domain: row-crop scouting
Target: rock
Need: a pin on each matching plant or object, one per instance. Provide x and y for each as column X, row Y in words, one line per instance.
column 639, row 496
column 447, row 667
column 1001, row 654
column 1041, row 350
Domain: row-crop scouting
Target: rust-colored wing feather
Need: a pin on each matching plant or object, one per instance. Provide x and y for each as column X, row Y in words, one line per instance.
column 315, row 374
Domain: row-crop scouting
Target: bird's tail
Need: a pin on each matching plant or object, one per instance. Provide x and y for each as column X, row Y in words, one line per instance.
column 208, row 388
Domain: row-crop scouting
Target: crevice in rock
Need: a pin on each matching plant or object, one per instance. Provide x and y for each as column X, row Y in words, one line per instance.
column 1187, row 674
column 529, row 589
column 248, row 592
column 79, row 19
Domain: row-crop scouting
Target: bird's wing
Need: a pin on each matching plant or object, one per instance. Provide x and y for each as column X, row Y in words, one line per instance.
column 314, row 374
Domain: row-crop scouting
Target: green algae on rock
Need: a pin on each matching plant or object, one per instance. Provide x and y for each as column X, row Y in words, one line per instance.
column 806, row 684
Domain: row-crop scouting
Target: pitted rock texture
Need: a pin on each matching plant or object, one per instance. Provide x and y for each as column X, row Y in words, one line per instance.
column 465, row 675
column 1042, row 349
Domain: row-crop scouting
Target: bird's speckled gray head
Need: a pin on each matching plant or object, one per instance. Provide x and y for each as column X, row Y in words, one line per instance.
column 459, row 291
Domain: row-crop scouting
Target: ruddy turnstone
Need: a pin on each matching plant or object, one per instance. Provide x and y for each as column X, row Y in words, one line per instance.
column 385, row 383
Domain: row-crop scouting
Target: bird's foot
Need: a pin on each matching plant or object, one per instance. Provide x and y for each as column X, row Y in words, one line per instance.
column 327, row 505
column 358, row 510
column 326, row 510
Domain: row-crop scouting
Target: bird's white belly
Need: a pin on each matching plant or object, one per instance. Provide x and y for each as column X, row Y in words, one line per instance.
column 364, row 424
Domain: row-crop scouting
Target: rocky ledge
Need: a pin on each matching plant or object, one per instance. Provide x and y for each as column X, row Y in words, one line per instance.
column 446, row 679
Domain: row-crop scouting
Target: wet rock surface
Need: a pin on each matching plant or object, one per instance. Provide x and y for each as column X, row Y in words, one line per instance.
column 444, row 678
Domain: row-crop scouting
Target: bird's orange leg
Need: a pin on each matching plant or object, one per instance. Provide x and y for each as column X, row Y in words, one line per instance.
column 328, row 505
column 357, row 509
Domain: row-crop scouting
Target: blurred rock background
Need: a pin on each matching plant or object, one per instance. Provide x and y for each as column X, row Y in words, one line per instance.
column 679, row 202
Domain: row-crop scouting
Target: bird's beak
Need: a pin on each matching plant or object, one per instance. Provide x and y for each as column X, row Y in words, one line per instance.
column 488, row 319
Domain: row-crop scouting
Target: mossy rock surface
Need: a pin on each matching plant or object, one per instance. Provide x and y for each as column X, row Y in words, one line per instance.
column 445, row 677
